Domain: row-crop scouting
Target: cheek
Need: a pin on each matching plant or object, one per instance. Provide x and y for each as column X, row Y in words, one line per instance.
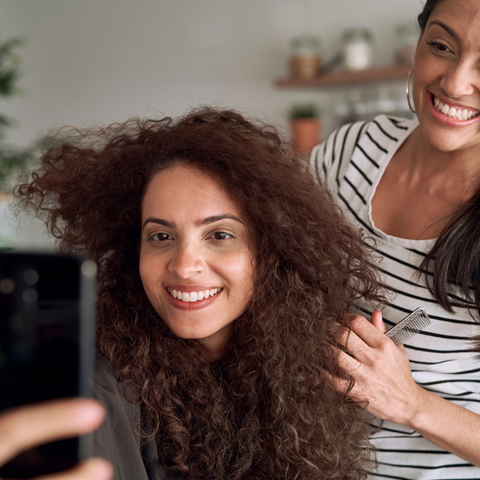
column 151, row 290
column 422, row 79
column 143, row 270
column 246, row 272
column 242, row 264
column 149, row 275
column 428, row 68
column 237, row 271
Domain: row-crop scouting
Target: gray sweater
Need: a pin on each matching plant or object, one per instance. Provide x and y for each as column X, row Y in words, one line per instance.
column 118, row 438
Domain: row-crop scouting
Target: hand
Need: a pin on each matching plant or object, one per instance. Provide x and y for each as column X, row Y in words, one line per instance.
column 25, row 427
column 381, row 370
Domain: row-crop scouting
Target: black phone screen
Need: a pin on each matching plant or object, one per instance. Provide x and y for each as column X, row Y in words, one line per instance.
column 46, row 345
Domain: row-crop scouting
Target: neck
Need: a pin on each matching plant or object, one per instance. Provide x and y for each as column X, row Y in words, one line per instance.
column 216, row 344
column 433, row 169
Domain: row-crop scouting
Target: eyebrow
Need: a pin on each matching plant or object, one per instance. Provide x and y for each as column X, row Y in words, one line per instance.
column 448, row 29
column 205, row 221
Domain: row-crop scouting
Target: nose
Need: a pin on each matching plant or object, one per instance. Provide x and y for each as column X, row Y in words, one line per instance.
column 460, row 80
column 186, row 260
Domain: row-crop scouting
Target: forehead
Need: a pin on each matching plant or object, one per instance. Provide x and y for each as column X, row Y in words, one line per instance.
column 187, row 189
column 463, row 16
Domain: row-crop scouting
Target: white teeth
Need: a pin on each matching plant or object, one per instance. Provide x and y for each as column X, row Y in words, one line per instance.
column 454, row 112
column 193, row 296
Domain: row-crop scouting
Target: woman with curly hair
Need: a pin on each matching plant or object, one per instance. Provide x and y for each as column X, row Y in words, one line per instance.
column 224, row 270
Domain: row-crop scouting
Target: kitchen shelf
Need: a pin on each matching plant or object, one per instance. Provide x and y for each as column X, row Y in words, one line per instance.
column 376, row 74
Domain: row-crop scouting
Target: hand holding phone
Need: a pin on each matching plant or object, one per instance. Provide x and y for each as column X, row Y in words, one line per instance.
column 24, row 427
column 46, row 346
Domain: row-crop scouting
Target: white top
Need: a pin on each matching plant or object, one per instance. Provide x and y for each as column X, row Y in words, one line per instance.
column 352, row 160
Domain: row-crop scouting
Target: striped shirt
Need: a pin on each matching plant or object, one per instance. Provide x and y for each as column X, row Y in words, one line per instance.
column 352, row 161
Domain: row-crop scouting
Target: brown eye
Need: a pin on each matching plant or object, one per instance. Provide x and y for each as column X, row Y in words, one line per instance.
column 160, row 237
column 222, row 236
column 439, row 46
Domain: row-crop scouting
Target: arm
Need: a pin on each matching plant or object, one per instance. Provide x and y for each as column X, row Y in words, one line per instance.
column 383, row 378
column 24, row 427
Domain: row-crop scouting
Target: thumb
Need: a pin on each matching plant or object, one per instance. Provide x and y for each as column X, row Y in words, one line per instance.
column 377, row 321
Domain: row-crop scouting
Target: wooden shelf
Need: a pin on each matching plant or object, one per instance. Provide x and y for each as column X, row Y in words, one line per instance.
column 376, row 74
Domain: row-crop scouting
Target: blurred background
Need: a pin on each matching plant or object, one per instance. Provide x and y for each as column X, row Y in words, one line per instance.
column 93, row 62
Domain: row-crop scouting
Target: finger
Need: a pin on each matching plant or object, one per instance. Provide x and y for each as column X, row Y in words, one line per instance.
column 348, row 339
column 367, row 332
column 340, row 384
column 32, row 425
column 344, row 385
column 348, row 363
column 92, row 469
column 377, row 321
column 348, row 317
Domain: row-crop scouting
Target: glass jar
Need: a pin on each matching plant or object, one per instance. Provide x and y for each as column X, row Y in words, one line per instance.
column 406, row 37
column 305, row 61
column 357, row 48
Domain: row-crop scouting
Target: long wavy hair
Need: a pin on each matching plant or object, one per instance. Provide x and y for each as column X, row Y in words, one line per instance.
column 268, row 409
column 452, row 267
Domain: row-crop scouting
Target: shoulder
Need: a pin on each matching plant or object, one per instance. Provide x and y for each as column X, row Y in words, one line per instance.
column 332, row 156
column 105, row 375
column 389, row 130
column 336, row 143
column 113, row 394
column 119, row 437
column 330, row 159
column 122, row 413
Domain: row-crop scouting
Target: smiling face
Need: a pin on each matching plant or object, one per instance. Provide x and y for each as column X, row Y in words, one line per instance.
column 446, row 80
column 196, row 264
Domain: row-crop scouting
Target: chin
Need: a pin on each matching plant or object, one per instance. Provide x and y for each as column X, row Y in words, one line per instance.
column 191, row 332
column 443, row 139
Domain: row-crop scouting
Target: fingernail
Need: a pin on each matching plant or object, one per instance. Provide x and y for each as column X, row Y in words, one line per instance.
column 89, row 412
column 104, row 470
column 98, row 468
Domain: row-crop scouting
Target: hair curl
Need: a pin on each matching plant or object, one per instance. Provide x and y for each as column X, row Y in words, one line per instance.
column 268, row 409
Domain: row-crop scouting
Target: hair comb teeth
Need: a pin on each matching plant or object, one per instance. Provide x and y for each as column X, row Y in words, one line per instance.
column 409, row 326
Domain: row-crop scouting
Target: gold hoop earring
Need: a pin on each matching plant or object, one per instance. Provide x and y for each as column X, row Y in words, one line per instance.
column 407, row 90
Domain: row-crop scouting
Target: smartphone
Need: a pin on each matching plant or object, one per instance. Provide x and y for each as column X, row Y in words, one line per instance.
column 46, row 345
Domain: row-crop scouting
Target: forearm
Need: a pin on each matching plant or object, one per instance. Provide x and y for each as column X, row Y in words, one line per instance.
column 447, row 425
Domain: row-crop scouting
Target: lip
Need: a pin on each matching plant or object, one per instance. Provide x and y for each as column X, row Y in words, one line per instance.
column 186, row 306
column 445, row 119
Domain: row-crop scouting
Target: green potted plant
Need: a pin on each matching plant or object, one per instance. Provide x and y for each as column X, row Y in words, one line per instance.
column 306, row 125
column 12, row 158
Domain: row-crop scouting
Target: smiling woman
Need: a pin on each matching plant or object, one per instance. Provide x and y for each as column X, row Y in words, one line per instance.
column 415, row 186
column 224, row 270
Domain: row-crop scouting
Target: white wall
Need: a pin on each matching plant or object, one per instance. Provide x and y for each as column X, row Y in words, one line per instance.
column 104, row 60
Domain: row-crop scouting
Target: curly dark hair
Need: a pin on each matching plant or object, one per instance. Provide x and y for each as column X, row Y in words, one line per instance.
column 268, row 409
